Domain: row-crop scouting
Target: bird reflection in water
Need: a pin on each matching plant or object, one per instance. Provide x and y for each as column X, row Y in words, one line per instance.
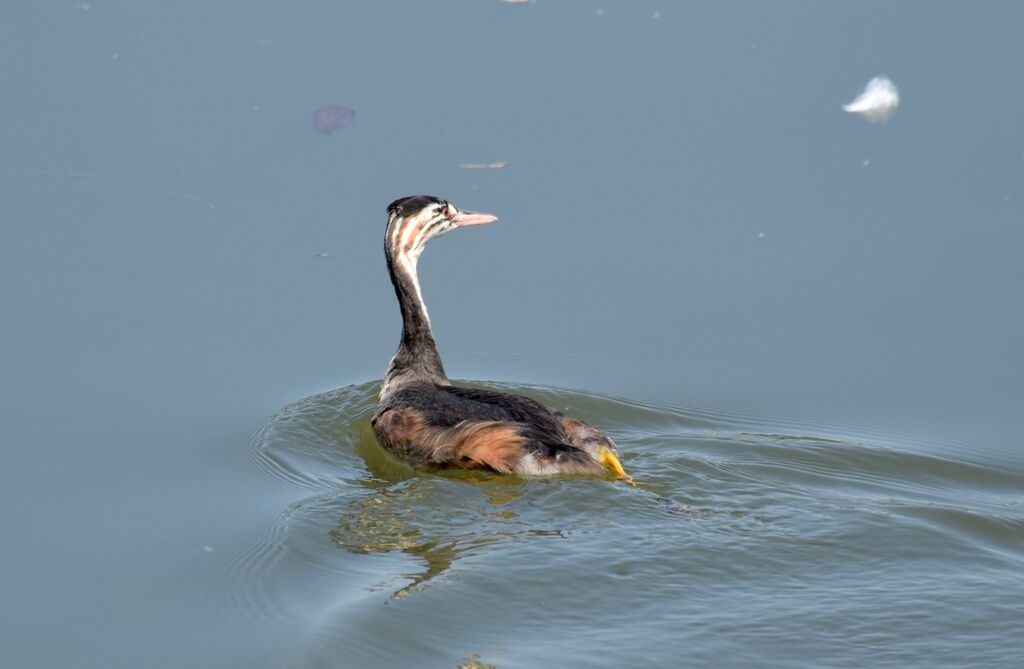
column 433, row 520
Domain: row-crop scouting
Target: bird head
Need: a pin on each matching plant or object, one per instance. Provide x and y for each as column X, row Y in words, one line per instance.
column 414, row 221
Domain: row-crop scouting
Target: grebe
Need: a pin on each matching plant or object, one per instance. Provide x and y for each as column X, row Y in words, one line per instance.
column 427, row 421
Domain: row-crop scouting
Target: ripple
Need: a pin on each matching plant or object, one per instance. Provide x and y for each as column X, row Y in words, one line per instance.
column 728, row 499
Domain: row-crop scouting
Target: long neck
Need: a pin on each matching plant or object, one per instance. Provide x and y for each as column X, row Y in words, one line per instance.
column 417, row 358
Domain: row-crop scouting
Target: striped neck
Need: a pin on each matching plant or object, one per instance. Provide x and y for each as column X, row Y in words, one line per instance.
column 417, row 358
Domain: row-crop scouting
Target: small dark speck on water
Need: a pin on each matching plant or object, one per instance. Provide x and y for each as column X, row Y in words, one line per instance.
column 335, row 117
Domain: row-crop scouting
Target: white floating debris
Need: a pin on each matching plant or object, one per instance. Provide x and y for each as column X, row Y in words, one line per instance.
column 877, row 102
column 518, row 2
column 208, row 549
column 866, row 163
column 483, row 166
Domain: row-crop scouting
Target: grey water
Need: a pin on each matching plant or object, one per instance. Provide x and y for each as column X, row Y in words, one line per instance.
column 803, row 330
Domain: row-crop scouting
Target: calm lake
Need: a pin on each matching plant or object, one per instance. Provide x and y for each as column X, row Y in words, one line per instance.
column 804, row 331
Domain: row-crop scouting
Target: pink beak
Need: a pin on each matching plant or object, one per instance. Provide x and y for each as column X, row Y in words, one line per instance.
column 464, row 218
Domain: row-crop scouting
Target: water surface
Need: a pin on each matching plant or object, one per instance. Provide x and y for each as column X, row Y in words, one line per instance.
column 743, row 542
column 687, row 219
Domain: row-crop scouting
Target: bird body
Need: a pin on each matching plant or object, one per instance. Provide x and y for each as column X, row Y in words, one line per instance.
column 425, row 420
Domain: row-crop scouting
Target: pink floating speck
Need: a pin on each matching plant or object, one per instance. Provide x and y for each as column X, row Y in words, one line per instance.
column 335, row 117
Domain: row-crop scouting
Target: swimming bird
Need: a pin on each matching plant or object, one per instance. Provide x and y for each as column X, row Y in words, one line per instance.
column 429, row 422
